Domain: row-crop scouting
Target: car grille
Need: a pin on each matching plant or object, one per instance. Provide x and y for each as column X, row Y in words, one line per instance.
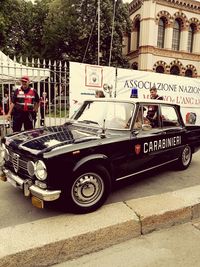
column 15, row 161
column 18, row 164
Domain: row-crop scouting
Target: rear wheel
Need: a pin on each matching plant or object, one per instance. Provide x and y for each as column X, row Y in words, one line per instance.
column 89, row 189
column 185, row 158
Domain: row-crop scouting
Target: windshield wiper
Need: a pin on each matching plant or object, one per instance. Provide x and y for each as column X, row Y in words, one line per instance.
column 89, row 121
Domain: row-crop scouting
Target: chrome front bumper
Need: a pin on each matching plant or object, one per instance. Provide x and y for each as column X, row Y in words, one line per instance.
column 29, row 188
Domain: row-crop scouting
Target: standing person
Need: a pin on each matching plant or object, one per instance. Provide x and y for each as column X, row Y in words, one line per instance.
column 154, row 94
column 24, row 103
column 152, row 109
column 5, row 103
column 43, row 107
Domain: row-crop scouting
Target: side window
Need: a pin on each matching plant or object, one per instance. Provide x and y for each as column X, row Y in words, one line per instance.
column 151, row 113
column 169, row 116
column 141, row 121
column 119, row 115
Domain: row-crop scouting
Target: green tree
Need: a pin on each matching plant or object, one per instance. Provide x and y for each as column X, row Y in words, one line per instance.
column 37, row 14
column 21, row 27
column 63, row 29
column 71, row 27
column 9, row 10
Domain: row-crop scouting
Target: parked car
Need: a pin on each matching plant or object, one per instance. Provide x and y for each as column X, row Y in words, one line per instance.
column 106, row 140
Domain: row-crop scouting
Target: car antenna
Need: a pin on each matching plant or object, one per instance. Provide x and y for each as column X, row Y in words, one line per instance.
column 103, row 133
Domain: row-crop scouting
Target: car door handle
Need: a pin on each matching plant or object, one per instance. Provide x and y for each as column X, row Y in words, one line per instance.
column 161, row 132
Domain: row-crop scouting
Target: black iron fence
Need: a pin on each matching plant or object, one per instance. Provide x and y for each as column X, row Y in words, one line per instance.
column 49, row 78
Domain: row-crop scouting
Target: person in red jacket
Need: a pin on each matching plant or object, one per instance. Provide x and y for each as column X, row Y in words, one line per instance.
column 43, row 107
column 24, row 106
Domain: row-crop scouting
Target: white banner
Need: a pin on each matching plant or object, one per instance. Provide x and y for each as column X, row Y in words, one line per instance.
column 123, row 83
column 175, row 89
column 86, row 79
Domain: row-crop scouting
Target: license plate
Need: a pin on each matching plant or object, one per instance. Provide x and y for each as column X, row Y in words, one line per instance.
column 3, row 177
column 11, row 181
column 38, row 203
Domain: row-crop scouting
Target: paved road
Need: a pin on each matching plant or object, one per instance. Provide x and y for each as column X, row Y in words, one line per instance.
column 16, row 209
column 175, row 247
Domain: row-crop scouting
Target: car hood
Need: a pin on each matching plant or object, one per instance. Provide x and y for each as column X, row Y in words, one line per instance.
column 45, row 139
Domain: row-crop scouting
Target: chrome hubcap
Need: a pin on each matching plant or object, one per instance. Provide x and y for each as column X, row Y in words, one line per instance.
column 186, row 155
column 87, row 189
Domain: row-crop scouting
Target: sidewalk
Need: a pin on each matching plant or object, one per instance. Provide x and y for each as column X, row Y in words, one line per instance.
column 177, row 246
column 49, row 241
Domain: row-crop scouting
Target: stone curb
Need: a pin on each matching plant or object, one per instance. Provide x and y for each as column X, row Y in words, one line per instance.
column 49, row 241
column 56, row 239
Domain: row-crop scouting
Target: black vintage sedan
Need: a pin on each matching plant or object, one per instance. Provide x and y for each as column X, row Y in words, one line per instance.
column 106, row 140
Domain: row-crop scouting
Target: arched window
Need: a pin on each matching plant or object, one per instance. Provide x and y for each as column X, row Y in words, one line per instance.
column 176, row 35
column 161, row 33
column 188, row 73
column 190, row 38
column 129, row 42
column 160, row 69
column 174, row 70
column 137, row 26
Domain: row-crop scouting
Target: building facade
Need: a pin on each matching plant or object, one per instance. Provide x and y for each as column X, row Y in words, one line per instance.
column 164, row 37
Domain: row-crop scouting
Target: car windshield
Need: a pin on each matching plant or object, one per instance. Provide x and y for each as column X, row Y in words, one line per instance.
column 111, row 115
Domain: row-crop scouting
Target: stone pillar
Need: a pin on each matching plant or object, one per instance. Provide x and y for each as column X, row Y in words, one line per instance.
column 184, row 40
column 168, row 37
column 148, row 29
column 196, row 46
column 148, row 32
column 145, row 62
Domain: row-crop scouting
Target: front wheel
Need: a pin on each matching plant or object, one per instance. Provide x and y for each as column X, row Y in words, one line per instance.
column 89, row 189
column 185, row 158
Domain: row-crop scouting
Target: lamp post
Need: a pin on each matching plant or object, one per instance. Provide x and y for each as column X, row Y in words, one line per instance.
column 113, row 24
column 98, row 41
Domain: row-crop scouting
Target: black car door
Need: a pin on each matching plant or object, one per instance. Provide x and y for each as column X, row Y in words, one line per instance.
column 149, row 147
column 174, row 130
column 142, row 150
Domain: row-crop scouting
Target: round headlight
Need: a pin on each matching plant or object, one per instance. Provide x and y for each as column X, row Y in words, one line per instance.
column 31, row 168
column 40, row 170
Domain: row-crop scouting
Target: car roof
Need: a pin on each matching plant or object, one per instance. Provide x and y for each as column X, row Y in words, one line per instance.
column 132, row 100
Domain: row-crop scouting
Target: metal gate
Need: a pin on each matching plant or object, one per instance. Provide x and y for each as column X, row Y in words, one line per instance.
column 49, row 78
